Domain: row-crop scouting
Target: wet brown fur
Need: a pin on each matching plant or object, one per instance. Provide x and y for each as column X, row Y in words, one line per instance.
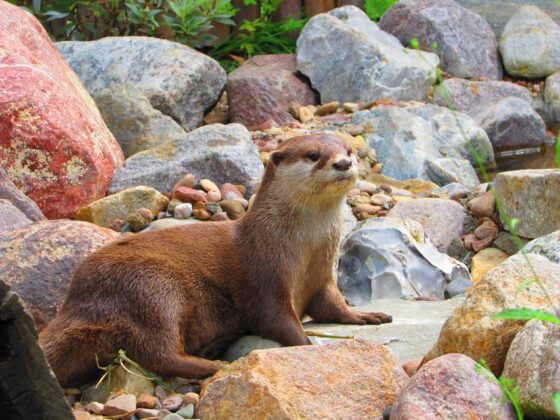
column 175, row 297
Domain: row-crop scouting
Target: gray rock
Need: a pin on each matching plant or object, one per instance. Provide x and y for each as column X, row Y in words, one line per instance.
column 425, row 142
column 457, row 287
column 264, row 87
column 452, row 191
column 9, row 191
column 28, row 387
column 468, row 95
column 11, row 217
column 531, row 196
column 506, row 242
column 136, row 125
column 349, row 59
column 552, row 100
column 511, row 123
column 532, row 361
column 391, row 257
column 415, row 327
column 349, row 221
column 247, row 344
column 530, row 44
column 441, row 219
column 177, row 80
column 452, row 386
column 223, row 153
column 548, row 245
column 466, row 45
column 169, row 222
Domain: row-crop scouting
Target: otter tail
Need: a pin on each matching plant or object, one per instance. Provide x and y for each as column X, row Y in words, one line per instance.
column 72, row 350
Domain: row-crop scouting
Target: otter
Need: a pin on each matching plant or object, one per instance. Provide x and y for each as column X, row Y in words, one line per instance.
column 175, row 298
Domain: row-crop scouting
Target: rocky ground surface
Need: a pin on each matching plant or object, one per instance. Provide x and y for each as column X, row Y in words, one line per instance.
column 162, row 137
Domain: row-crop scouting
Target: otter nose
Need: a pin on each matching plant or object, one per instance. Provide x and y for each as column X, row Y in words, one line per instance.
column 342, row 165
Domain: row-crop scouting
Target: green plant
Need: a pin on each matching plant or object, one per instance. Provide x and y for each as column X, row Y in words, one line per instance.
column 510, row 390
column 192, row 19
column 376, row 8
column 259, row 36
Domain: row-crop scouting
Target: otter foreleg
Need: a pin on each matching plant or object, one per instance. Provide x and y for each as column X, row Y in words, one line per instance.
column 328, row 305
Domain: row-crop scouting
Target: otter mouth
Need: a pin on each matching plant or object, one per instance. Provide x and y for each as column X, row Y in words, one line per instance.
column 343, row 178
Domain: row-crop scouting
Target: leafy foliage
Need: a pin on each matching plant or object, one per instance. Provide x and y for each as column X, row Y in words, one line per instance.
column 376, row 8
column 510, row 390
column 526, row 314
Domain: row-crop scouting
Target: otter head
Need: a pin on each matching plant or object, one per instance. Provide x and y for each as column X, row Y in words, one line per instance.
column 314, row 167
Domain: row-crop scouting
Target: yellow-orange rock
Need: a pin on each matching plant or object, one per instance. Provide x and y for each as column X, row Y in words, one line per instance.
column 351, row 379
column 470, row 330
column 486, row 260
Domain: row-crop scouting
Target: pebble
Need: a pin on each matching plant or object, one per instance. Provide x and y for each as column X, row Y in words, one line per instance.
column 145, row 413
column 189, row 195
column 368, row 187
column 213, row 208
column 122, row 404
column 483, row 205
column 328, row 108
column 411, row 366
column 220, row 217
column 351, row 107
column 140, row 220
column 188, row 180
column 191, row 398
column 367, row 208
column 208, row 185
column 146, row 401
column 214, row 196
column 81, row 415
column 233, row 208
column 183, row 211
column 95, row 407
column 485, row 260
column 172, row 416
column 187, row 412
column 506, row 242
column 306, row 114
column 457, row 287
column 381, row 200
column 117, row 225
column 172, row 204
column 202, row 214
column 359, row 199
column 173, row 402
column 161, row 392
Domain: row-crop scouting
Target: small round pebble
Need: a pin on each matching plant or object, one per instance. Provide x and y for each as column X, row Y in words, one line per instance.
column 172, row 204
column 213, row 208
column 202, row 214
column 208, row 185
column 233, row 208
column 173, row 402
column 220, row 217
column 183, row 211
column 187, row 412
column 173, row 416
column 139, row 221
column 191, row 398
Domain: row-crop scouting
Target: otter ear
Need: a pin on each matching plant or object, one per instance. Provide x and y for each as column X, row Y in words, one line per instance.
column 276, row 158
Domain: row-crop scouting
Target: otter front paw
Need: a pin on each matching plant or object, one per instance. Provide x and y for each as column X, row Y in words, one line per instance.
column 374, row 318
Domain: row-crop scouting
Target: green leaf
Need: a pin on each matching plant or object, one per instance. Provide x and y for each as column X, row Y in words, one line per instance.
column 556, row 402
column 527, row 314
column 414, row 43
column 375, row 9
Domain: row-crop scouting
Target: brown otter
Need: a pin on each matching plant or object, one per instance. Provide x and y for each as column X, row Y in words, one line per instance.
column 173, row 297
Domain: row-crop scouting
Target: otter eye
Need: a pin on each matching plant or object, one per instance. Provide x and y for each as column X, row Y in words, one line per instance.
column 313, row 156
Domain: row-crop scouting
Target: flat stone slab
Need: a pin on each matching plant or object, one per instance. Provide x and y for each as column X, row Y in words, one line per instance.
column 413, row 332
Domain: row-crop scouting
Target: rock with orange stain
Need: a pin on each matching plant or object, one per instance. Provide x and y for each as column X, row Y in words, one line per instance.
column 54, row 144
column 486, row 260
column 348, row 380
column 38, row 260
column 472, row 331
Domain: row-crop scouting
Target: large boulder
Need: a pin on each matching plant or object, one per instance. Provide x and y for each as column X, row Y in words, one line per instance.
column 548, row 246
column 532, row 362
column 349, row 59
column 441, row 219
column 38, row 260
column 10, row 192
column 349, row 379
column 11, row 217
column 223, row 153
column 532, row 197
column 134, row 122
column 264, row 87
column 54, row 144
column 468, row 95
column 177, row 80
column 28, row 388
column 463, row 40
column 552, row 100
column 426, row 142
column 391, row 257
column 452, row 387
column 530, row 44
column 120, row 206
column 511, row 123
column 472, row 331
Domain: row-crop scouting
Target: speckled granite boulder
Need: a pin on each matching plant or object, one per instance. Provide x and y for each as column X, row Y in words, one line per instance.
column 177, row 80
column 548, row 246
column 348, row 58
column 465, row 42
